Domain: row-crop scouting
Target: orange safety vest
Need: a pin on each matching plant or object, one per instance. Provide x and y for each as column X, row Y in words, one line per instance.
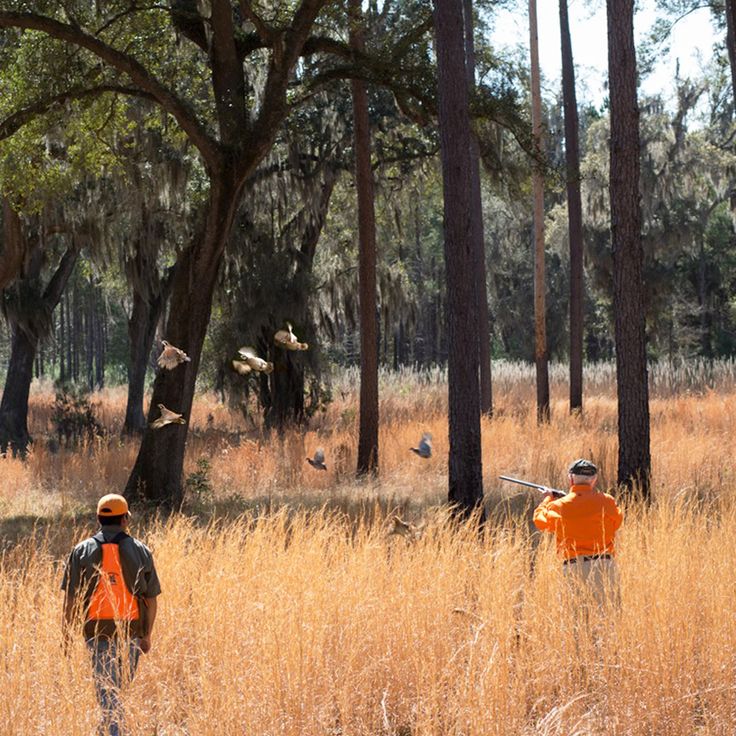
column 111, row 600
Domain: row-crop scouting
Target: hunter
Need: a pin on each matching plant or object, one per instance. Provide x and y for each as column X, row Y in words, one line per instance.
column 110, row 583
column 584, row 523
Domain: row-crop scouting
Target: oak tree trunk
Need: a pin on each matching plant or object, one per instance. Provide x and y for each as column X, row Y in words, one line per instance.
column 147, row 309
column 634, row 460
column 14, row 405
column 157, row 472
column 30, row 320
column 465, row 463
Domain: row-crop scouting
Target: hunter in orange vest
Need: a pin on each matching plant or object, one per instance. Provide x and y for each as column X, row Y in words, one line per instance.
column 111, row 588
column 584, row 523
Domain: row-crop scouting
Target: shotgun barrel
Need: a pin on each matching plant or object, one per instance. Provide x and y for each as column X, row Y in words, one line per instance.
column 542, row 489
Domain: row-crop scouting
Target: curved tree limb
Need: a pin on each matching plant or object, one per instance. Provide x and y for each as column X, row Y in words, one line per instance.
column 18, row 119
column 127, row 64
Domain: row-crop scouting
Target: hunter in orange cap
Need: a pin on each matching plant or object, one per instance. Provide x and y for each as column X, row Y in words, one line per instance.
column 111, row 586
column 584, row 523
column 112, row 505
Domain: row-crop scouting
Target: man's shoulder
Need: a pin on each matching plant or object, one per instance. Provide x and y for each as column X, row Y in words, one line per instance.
column 138, row 545
column 86, row 549
column 88, row 543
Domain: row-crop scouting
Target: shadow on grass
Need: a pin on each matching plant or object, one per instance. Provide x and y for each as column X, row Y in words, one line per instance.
column 24, row 535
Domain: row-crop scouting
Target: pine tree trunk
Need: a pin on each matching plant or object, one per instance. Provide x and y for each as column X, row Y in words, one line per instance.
column 540, row 308
column 484, row 330
column 574, row 213
column 157, row 473
column 634, row 460
column 731, row 41
column 465, row 466
column 368, row 420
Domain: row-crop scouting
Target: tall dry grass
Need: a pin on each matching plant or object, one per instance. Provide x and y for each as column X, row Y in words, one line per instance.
column 692, row 432
column 296, row 618
column 312, row 624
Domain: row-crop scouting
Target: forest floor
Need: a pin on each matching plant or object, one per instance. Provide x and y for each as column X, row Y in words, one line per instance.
column 288, row 609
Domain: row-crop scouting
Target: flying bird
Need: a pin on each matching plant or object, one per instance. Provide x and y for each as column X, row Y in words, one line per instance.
column 167, row 417
column 405, row 529
column 425, row 446
column 318, row 461
column 171, row 357
column 248, row 361
column 286, row 339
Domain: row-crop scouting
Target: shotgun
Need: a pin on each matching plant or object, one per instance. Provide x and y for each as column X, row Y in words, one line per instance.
column 542, row 489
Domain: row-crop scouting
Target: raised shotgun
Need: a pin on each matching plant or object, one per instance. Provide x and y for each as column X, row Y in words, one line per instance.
column 542, row 489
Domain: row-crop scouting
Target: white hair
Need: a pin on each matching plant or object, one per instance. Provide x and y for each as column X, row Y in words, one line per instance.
column 583, row 480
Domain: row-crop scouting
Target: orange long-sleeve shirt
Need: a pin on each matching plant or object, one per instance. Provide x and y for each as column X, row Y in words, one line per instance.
column 584, row 521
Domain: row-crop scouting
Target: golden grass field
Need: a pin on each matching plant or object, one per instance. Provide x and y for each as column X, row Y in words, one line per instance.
column 287, row 609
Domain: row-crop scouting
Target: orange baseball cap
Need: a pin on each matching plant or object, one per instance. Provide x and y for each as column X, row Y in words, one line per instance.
column 112, row 505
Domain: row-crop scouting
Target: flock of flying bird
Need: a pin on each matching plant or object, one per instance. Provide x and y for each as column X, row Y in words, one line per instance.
column 247, row 362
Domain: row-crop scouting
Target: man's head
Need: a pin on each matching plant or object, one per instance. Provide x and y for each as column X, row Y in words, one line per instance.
column 583, row 473
column 112, row 510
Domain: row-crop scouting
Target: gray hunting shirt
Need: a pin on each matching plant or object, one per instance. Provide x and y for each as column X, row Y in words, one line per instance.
column 136, row 560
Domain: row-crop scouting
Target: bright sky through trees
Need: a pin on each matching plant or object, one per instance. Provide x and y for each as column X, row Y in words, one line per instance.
column 692, row 43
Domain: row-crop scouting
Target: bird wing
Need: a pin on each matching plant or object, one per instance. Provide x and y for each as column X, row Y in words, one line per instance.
column 241, row 367
column 284, row 337
column 169, row 416
column 247, row 352
column 167, row 359
column 171, row 356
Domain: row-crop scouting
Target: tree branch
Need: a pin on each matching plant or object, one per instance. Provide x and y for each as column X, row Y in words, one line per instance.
column 227, row 74
column 55, row 288
column 264, row 32
column 127, row 64
column 18, row 119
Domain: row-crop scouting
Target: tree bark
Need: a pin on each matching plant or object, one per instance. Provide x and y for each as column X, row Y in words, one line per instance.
column 368, row 420
column 484, row 330
column 13, row 248
column 14, row 405
column 148, row 305
column 634, row 460
column 465, row 464
column 30, row 321
column 731, row 41
column 157, row 472
column 574, row 213
column 540, row 309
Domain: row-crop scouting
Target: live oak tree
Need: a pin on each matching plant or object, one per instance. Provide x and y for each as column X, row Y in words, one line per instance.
column 27, row 304
column 134, row 45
